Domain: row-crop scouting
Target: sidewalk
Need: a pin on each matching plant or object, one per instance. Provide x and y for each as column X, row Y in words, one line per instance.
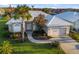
column 69, row 48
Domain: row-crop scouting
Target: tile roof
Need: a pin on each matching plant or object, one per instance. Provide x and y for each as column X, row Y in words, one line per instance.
column 51, row 20
column 69, row 16
column 56, row 21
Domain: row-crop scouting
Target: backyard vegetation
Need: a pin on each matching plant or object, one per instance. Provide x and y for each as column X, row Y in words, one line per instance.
column 26, row 46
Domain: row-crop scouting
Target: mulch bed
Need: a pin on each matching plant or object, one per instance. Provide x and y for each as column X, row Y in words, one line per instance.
column 41, row 38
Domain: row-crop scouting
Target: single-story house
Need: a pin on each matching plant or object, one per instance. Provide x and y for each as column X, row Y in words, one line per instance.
column 72, row 17
column 54, row 27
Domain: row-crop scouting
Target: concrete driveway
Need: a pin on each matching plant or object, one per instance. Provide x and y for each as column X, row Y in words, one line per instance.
column 67, row 44
column 64, row 40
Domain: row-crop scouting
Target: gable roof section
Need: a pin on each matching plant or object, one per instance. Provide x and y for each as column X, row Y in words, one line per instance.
column 36, row 13
column 56, row 21
column 69, row 16
column 13, row 21
column 48, row 18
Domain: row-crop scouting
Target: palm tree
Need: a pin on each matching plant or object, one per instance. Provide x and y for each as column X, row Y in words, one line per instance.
column 23, row 12
column 32, row 7
column 40, row 21
column 6, row 48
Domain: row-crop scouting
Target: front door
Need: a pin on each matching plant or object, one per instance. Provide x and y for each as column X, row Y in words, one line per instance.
column 28, row 26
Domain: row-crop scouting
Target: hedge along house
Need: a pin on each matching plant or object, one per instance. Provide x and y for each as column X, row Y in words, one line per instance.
column 54, row 27
column 72, row 17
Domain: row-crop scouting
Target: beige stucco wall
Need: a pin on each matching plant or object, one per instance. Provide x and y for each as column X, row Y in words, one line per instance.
column 55, row 32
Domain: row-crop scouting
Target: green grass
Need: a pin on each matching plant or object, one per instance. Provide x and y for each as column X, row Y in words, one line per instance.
column 75, row 36
column 34, row 48
column 27, row 46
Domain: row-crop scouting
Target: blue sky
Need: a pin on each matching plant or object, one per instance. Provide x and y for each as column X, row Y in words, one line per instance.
column 48, row 5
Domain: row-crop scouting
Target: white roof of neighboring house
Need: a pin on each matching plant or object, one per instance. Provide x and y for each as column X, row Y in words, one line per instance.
column 56, row 21
column 36, row 13
column 69, row 16
column 13, row 21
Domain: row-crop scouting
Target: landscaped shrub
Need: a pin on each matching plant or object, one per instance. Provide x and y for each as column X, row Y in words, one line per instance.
column 6, row 48
column 55, row 44
column 18, row 36
column 39, row 33
column 74, row 36
column 49, row 37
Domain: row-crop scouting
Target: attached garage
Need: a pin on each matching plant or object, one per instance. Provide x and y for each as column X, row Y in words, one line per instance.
column 58, row 27
column 56, row 32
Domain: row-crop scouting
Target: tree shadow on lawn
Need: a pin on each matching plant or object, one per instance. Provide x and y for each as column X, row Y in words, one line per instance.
column 39, row 51
column 43, row 46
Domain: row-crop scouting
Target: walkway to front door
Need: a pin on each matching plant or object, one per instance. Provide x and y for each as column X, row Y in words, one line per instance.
column 28, row 26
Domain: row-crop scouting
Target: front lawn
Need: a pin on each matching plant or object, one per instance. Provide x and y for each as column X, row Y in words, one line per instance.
column 27, row 46
column 34, row 48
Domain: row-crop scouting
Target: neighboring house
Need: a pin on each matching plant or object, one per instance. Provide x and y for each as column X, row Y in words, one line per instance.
column 2, row 11
column 55, row 26
column 72, row 17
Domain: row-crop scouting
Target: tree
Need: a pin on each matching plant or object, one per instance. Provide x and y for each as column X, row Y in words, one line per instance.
column 6, row 48
column 22, row 11
column 9, row 12
column 32, row 7
column 46, row 10
column 40, row 21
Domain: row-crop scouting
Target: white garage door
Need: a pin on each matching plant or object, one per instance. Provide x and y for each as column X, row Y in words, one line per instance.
column 62, row 31
column 56, row 32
